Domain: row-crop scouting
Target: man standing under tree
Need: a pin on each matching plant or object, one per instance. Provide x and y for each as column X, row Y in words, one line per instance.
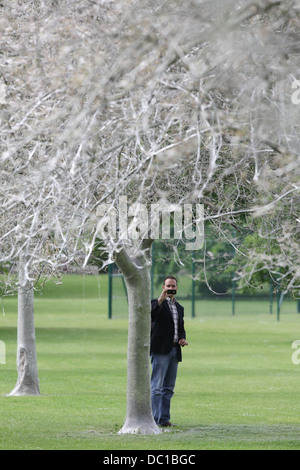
column 167, row 337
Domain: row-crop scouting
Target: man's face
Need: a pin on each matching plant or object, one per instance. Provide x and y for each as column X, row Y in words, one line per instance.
column 170, row 284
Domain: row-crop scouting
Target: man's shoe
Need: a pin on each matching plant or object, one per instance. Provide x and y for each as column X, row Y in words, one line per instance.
column 167, row 424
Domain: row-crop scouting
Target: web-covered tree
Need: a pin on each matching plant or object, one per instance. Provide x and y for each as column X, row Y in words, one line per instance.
column 181, row 102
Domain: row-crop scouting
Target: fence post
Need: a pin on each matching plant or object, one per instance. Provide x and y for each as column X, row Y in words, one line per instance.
column 110, row 290
column 280, row 296
column 271, row 295
column 233, row 294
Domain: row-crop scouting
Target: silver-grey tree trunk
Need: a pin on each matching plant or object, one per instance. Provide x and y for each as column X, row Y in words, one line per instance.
column 139, row 418
column 28, row 381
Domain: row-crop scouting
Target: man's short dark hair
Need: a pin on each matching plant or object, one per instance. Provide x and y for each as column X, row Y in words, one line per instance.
column 170, row 277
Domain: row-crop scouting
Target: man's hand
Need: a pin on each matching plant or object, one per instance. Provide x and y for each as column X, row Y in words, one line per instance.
column 163, row 296
column 183, row 342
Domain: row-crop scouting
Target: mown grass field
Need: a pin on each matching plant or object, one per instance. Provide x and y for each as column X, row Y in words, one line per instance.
column 237, row 387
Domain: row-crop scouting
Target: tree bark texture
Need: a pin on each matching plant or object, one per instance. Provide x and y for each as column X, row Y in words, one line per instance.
column 28, row 381
column 139, row 418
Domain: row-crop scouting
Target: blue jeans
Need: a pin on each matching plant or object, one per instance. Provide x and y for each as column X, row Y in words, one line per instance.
column 163, row 378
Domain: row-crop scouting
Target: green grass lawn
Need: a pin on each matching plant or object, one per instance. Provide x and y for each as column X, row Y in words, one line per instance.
column 237, row 387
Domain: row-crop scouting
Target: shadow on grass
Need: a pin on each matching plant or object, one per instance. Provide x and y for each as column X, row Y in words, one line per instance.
column 215, row 436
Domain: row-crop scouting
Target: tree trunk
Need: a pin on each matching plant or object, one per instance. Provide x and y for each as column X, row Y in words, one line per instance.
column 139, row 418
column 28, row 382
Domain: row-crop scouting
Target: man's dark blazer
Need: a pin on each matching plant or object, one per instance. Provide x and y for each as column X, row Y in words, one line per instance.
column 162, row 328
